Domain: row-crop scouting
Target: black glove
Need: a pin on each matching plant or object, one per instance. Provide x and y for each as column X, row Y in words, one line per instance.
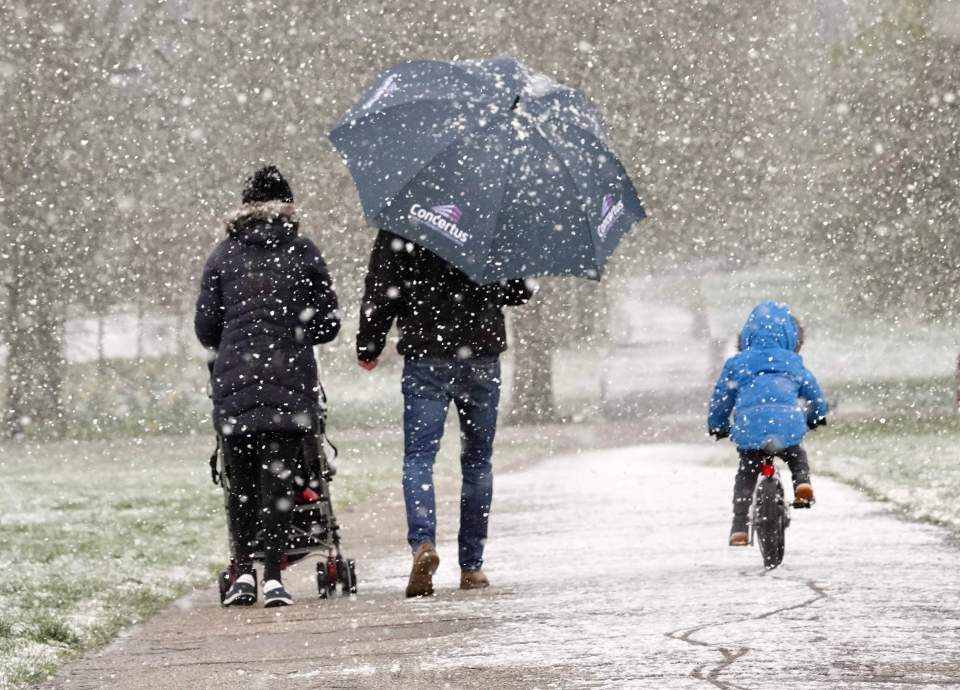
column 815, row 423
column 719, row 435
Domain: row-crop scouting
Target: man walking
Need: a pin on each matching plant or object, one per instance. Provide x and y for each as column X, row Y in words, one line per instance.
column 451, row 336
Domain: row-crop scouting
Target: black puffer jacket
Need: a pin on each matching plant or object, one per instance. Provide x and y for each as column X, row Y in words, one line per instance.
column 440, row 312
column 265, row 300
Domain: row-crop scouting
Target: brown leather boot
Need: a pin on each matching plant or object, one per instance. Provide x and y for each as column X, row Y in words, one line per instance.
column 739, row 539
column 425, row 563
column 473, row 579
column 803, row 495
column 738, row 530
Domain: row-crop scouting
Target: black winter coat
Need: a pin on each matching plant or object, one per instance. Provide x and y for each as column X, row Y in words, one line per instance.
column 265, row 300
column 440, row 312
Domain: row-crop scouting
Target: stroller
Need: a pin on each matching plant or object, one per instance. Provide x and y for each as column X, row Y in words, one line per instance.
column 313, row 525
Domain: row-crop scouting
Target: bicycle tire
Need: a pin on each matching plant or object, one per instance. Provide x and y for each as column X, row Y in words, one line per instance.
column 770, row 522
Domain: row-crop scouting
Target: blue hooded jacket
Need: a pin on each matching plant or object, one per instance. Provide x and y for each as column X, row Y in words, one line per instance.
column 772, row 396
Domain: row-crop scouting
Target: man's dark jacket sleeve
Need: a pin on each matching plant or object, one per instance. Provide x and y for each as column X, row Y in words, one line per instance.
column 511, row 293
column 382, row 297
column 208, row 318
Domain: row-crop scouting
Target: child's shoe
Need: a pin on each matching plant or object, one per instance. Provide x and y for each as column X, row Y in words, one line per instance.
column 243, row 592
column 803, row 495
column 738, row 532
column 274, row 594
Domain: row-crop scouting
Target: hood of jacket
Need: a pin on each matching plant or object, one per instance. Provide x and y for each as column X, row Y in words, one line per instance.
column 770, row 326
column 270, row 222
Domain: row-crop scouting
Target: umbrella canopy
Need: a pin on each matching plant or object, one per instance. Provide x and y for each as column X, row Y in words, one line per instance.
column 501, row 171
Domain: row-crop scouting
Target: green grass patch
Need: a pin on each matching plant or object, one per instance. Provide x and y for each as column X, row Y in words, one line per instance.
column 887, row 428
column 48, row 629
column 85, row 568
column 925, row 398
column 162, row 395
column 168, row 395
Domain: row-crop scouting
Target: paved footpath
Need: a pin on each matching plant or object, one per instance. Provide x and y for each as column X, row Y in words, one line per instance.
column 610, row 570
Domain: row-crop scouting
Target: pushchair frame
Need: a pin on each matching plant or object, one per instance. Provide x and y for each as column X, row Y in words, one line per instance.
column 314, row 529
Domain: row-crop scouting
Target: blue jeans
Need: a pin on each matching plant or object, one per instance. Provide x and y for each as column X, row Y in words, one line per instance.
column 429, row 386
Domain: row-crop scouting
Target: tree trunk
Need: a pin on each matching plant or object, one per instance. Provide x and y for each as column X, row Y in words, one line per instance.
column 183, row 321
column 35, row 362
column 140, row 314
column 533, row 366
column 956, row 398
column 101, row 359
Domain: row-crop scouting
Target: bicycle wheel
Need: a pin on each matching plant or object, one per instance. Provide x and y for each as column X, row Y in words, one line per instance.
column 770, row 522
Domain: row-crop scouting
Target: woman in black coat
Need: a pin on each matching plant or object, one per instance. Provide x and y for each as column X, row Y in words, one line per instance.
column 265, row 300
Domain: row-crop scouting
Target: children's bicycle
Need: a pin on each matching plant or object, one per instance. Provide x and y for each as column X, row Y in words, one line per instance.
column 770, row 515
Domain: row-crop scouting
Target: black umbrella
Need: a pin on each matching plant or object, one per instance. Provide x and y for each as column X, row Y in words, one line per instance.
column 499, row 170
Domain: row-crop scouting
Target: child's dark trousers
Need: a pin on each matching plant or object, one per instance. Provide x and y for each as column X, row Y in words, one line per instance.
column 750, row 461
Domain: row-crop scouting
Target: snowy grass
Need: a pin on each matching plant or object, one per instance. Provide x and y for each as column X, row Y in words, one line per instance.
column 166, row 395
column 913, row 463
column 912, row 398
column 100, row 534
column 125, row 396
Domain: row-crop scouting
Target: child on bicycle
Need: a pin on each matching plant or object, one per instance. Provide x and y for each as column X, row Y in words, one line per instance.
column 774, row 400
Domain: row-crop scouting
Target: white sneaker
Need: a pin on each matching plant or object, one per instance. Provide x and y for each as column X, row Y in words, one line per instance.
column 275, row 595
column 243, row 592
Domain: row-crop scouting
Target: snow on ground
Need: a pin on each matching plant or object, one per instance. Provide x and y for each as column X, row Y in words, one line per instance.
column 621, row 576
column 609, row 570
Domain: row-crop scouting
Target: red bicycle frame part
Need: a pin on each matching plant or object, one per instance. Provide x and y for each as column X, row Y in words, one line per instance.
column 767, row 469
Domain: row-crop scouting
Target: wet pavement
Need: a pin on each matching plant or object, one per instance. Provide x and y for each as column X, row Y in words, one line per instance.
column 609, row 570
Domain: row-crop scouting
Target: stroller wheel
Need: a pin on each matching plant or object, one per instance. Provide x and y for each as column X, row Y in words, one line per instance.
column 347, row 576
column 323, row 584
column 333, row 574
column 352, row 570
